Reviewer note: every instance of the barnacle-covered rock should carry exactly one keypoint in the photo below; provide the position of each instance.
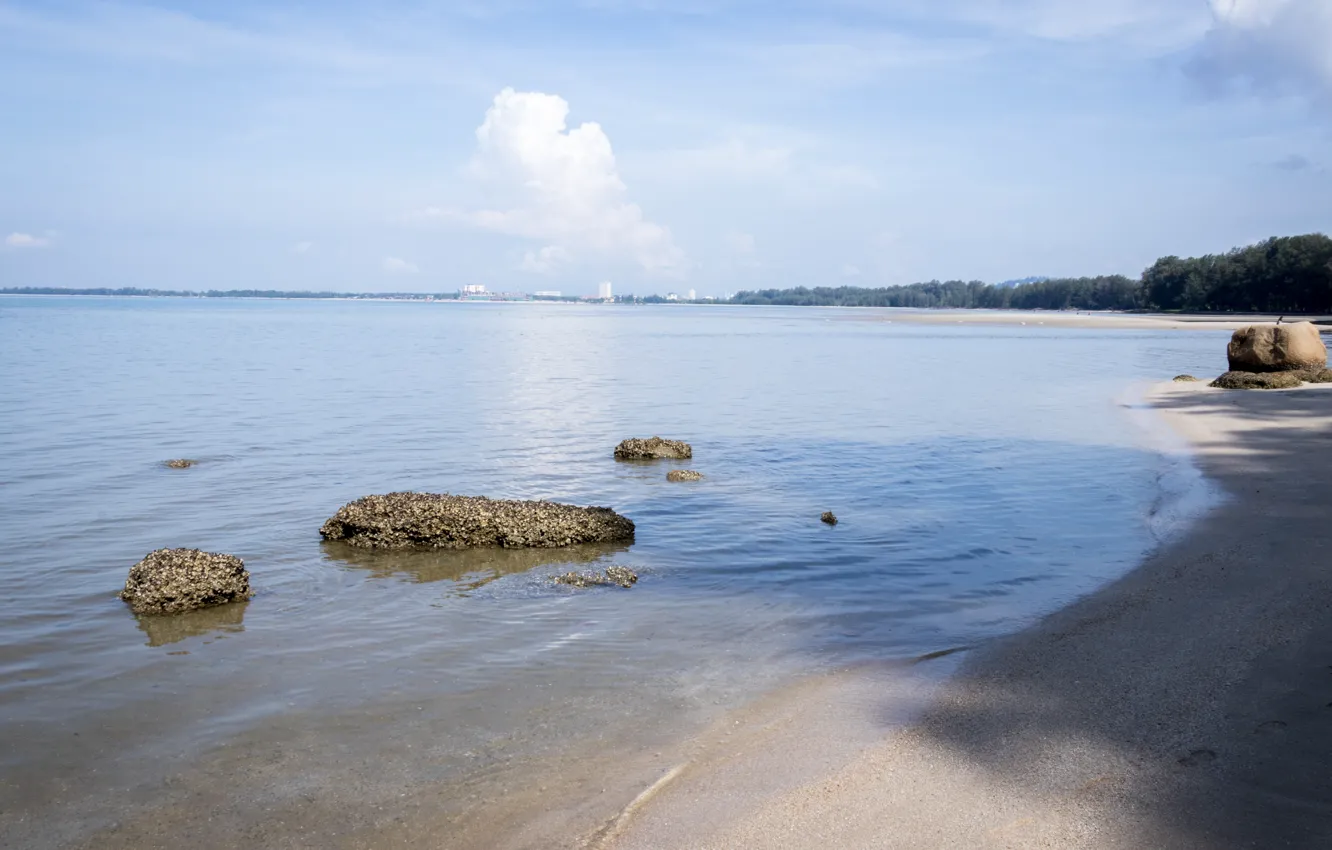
(829, 518)
(653, 448)
(617, 576)
(1314, 376)
(169, 581)
(684, 475)
(442, 521)
(180, 463)
(1257, 381)
(1184, 379)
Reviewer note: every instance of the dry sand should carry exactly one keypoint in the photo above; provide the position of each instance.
(1188, 705)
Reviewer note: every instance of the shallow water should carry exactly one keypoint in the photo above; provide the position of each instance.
(982, 476)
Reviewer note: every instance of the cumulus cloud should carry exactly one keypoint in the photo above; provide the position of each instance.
(1280, 45)
(561, 186)
(396, 265)
(545, 260)
(26, 240)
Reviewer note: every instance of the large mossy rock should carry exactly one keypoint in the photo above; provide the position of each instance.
(441, 521)
(1276, 348)
(1314, 376)
(170, 581)
(653, 448)
(1257, 381)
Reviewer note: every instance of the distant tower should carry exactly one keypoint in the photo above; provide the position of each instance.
(692, 295)
(604, 290)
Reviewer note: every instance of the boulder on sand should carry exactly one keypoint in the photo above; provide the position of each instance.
(1257, 381)
(1184, 379)
(1276, 348)
(441, 521)
(684, 475)
(653, 448)
(1314, 376)
(169, 581)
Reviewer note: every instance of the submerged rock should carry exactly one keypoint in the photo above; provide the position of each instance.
(653, 448)
(1257, 381)
(614, 576)
(684, 475)
(169, 581)
(829, 517)
(1184, 379)
(442, 521)
(1276, 348)
(180, 463)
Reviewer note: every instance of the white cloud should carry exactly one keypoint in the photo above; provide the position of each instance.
(1282, 45)
(562, 186)
(545, 260)
(849, 270)
(302, 247)
(396, 265)
(26, 240)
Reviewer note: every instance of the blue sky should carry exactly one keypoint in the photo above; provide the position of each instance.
(707, 144)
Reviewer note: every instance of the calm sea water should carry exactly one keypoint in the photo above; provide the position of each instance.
(982, 475)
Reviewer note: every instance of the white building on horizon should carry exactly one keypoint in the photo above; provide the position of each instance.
(474, 289)
(692, 296)
(604, 290)
(548, 293)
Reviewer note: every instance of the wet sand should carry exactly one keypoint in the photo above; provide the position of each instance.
(1188, 705)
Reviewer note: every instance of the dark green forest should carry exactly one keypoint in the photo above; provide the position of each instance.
(1291, 274)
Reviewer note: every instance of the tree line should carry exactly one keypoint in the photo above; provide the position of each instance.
(1289, 274)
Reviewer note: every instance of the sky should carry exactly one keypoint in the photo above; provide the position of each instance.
(715, 145)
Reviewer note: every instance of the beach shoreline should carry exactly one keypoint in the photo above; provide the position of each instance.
(1188, 704)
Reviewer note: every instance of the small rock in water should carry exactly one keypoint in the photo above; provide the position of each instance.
(169, 581)
(1184, 379)
(653, 448)
(829, 517)
(617, 576)
(180, 463)
(684, 475)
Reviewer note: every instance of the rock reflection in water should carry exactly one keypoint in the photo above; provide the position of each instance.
(469, 568)
(163, 629)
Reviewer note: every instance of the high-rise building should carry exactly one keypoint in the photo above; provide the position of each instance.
(604, 290)
(692, 295)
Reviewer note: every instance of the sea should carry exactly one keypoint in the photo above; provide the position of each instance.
(983, 475)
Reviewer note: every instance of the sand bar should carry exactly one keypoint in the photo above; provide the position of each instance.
(1188, 705)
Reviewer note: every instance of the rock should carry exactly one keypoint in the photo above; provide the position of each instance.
(441, 521)
(1314, 376)
(1184, 379)
(180, 463)
(829, 517)
(169, 581)
(653, 448)
(1276, 348)
(1257, 381)
(684, 475)
(614, 576)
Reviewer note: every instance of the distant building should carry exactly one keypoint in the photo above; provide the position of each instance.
(474, 289)
(692, 296)
(549, 293)
(671, 296)
(604, 291)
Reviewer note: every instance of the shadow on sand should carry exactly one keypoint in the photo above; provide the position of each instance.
(1188, 705)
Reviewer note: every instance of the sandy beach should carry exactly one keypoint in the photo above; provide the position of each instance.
(1187, 705)
(1105, 320)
